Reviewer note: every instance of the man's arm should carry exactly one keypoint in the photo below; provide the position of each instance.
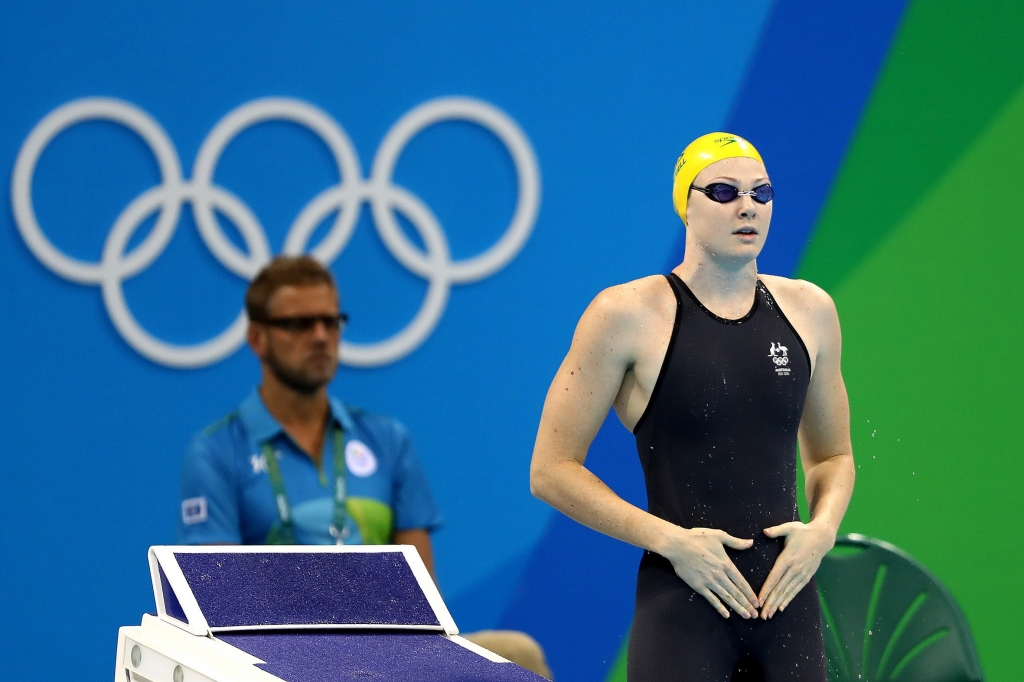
(420, 539)
(209, 513)
(826, 454)
(603, 350)
(415, 514)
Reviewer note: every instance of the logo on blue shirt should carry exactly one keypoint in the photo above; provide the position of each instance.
(193, 510)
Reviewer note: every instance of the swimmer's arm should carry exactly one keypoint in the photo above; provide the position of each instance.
(577, 403)
(826, 454)
(826, 451)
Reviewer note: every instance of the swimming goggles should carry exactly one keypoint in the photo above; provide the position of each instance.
(724, 193)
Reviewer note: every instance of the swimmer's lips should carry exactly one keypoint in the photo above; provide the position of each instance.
(746, 233)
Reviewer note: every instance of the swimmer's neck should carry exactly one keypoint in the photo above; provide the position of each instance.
(713, 280)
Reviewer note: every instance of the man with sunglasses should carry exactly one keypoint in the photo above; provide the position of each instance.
(293, 465)
(718, 371)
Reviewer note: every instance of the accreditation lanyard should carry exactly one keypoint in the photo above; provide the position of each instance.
(284, 509)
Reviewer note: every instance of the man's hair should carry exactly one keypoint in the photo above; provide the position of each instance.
(282, 271)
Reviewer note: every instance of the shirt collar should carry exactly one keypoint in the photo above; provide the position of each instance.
(261, 425)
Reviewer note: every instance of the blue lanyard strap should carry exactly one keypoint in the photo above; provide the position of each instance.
(285, 535)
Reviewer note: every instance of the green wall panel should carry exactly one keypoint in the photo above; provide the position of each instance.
(951, 68)
(932, 322)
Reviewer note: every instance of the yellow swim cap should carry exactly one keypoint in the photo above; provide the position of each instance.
(701, 153)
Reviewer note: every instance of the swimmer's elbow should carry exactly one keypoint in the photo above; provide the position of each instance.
(543, 483)
(538, 485)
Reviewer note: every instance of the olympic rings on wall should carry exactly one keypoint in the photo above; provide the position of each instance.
(434, 264)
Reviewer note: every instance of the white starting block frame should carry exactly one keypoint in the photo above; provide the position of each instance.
(205, 596)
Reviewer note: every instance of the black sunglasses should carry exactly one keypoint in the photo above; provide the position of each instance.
(305, 323)
(724, 193)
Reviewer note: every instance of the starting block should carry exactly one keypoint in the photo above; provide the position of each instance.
(300, 614)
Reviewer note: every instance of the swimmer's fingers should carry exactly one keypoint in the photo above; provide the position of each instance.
(789, 586)
(749, 599)
(783, 529)
(768, 596)
(793, 588)
(736, 583)
(770, 590)
(729, 591)
(713, 600)
(728, 594)
(771, 604)
(734, 543)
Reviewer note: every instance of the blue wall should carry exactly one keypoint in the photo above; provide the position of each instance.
(95, 431)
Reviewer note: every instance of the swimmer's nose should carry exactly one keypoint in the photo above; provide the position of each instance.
(748, 207)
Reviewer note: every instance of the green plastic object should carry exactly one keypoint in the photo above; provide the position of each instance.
(886, 617)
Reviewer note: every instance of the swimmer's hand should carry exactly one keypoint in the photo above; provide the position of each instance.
(806, 544)
(699, 558)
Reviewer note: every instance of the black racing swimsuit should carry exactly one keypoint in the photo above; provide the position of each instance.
(717, 443)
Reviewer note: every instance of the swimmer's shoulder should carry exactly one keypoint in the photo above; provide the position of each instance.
(636, 300)
(619, 312)
(802, 299)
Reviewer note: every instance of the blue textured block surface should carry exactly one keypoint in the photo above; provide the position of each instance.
(390, 657)
(311, 588)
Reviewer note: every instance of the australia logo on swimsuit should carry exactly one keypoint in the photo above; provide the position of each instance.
(780, 356)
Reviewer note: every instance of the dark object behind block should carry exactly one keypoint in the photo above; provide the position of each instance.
(887, 618)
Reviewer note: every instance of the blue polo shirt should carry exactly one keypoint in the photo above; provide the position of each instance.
(226, 495)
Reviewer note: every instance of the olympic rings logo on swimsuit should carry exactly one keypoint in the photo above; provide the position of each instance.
(434, 264)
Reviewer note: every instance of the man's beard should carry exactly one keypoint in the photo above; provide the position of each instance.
(293, 379)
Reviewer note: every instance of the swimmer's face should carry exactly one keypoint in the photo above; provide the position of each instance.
(734, 231)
